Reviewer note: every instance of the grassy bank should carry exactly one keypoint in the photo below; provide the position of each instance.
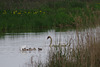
(16, 16)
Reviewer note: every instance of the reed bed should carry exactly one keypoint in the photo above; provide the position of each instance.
(82, 55)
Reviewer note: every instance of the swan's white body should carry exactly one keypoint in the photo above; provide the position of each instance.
(49, 37)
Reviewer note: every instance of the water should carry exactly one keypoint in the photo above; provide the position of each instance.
(10, 44)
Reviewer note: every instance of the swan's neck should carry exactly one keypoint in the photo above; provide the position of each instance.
(50, 41)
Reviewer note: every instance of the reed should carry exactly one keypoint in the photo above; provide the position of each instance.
(82, 55)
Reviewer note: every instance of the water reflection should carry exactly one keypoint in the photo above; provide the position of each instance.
(10, 44)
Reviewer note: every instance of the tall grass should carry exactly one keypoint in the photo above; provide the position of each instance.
(83, 55)
(23, 15)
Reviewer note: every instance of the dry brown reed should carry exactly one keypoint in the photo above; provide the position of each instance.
(85, 54)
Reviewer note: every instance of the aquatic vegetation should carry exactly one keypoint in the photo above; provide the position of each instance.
(80, 55)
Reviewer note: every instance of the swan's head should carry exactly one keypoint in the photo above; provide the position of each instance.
(48, 37)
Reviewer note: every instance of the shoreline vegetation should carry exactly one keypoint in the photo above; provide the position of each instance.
(32, 15)
(86, 53)
(81, 55)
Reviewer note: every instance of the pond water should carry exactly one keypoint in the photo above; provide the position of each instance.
(10, 44)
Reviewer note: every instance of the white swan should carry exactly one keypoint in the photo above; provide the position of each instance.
(49, 37)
